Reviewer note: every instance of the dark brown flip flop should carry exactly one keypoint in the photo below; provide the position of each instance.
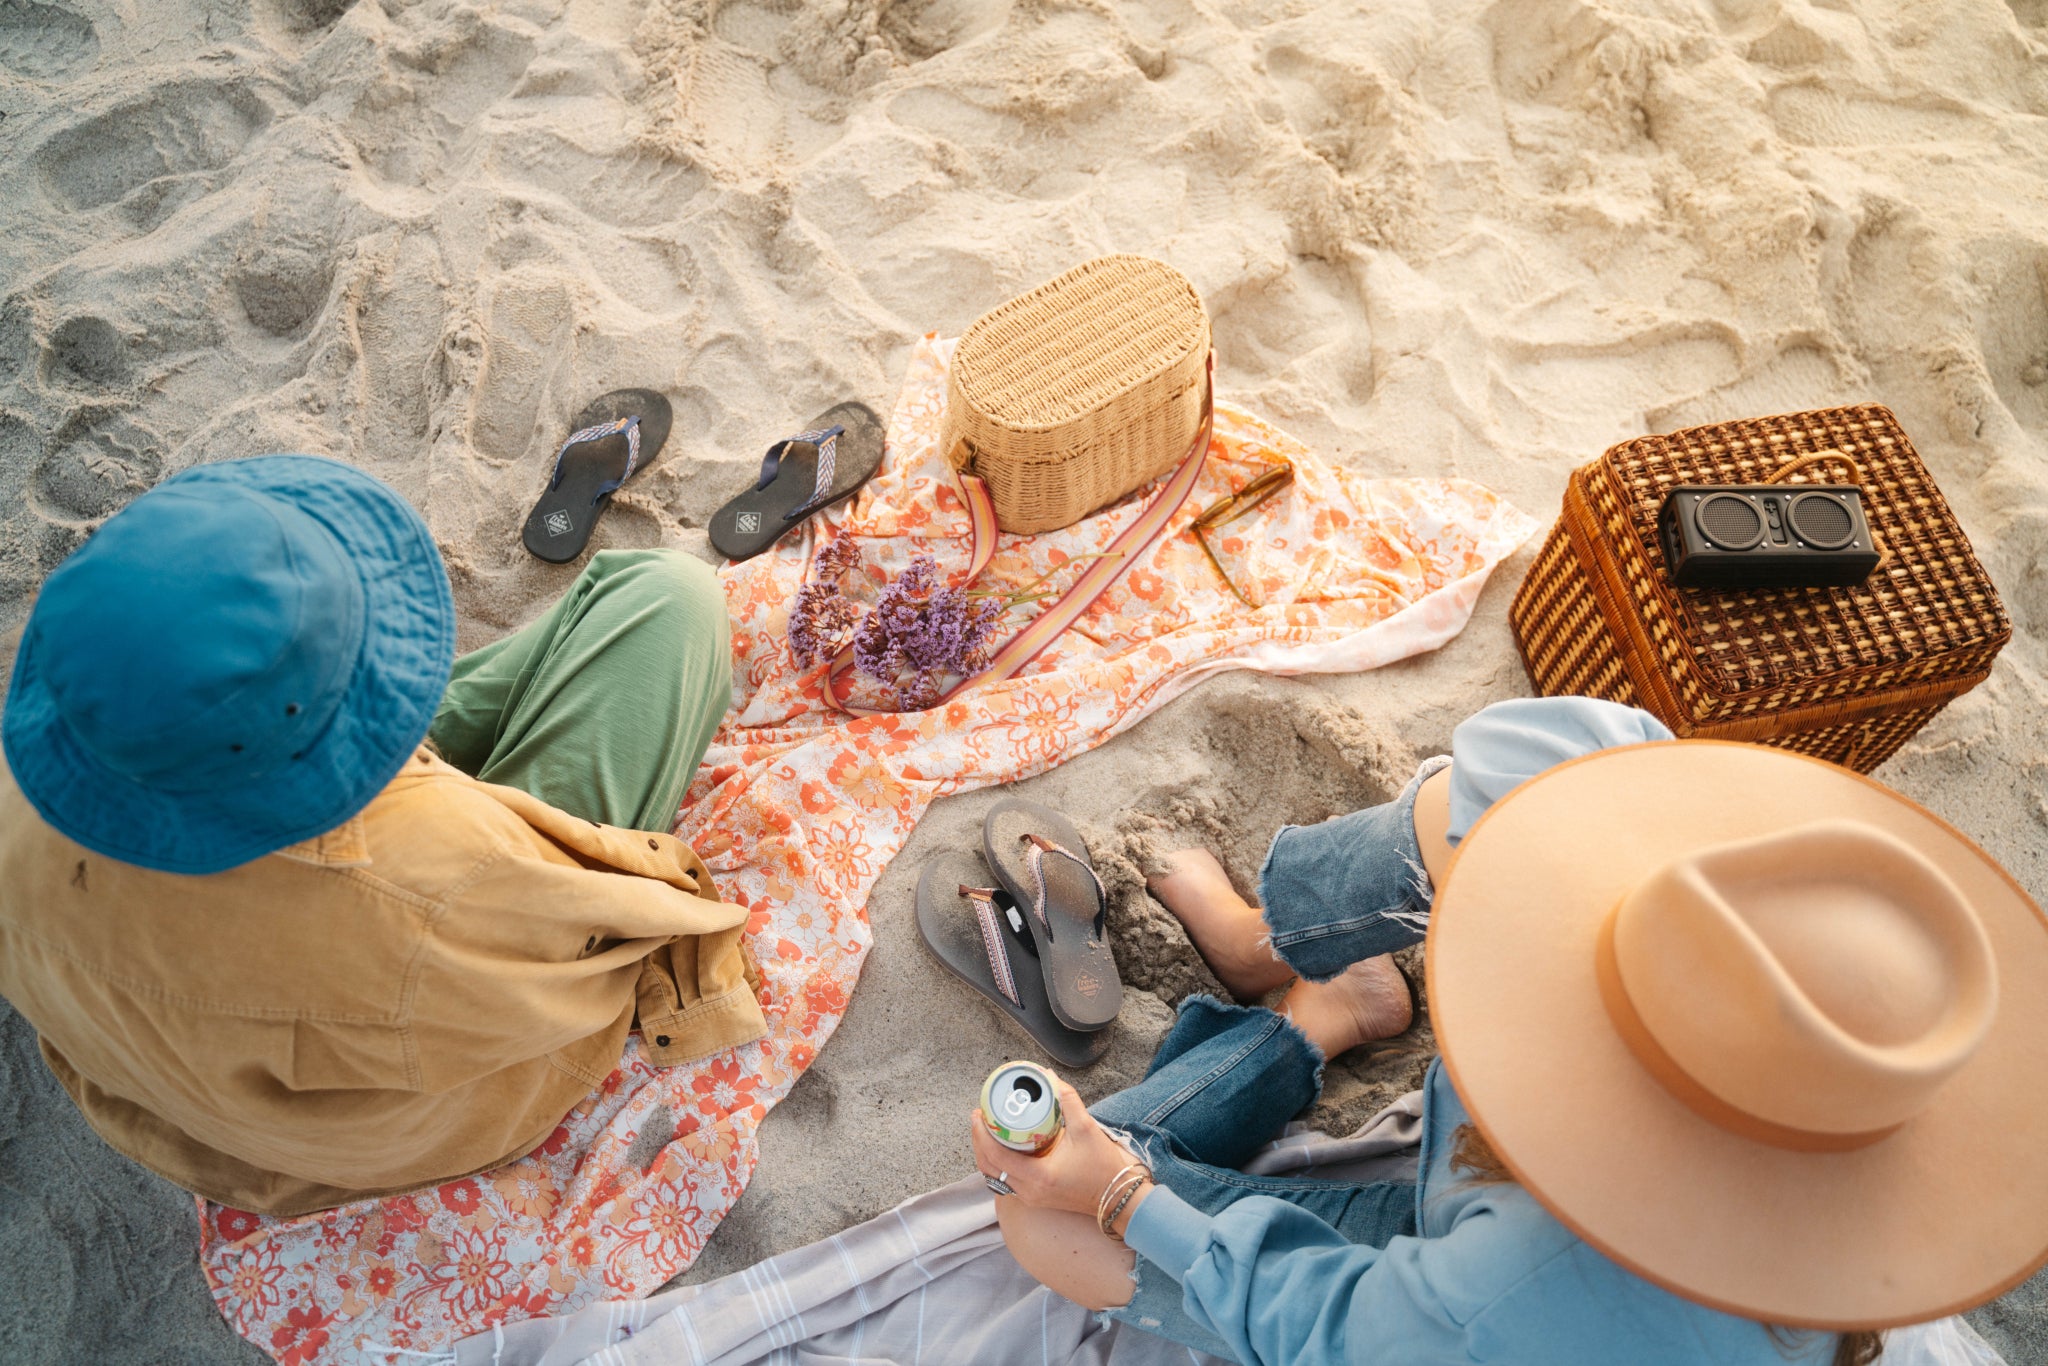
(1040, 859)
(976, 930)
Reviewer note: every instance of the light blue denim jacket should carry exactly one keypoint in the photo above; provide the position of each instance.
(1492, 1278)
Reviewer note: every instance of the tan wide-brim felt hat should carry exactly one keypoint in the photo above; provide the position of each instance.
(1942, 1212)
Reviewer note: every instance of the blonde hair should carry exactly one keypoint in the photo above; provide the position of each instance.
(1472, 1154)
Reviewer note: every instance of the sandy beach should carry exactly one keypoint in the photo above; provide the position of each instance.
(1473, 238)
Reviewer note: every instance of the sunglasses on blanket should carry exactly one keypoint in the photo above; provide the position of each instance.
(1232, 506)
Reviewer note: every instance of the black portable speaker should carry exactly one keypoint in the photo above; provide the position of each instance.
(1766, 535)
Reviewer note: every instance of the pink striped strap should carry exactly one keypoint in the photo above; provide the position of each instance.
(1034, 858)
(1094, 581)
(981, 521)
(983, 899)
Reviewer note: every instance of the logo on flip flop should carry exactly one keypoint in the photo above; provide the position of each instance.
(558, 523)
(1088, 983)
(746, 522)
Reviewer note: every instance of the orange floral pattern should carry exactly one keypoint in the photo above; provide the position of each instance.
(797, 809)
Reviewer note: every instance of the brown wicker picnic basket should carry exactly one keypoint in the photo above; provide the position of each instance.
(1067, 398)
(1845, 673)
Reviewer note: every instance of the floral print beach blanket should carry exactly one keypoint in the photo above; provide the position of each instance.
(797, 809)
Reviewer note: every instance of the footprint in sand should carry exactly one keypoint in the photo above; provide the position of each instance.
(309, 15)
(281, 293)
(159, 141)
(91, 351)
(45, 43)
(96, 469)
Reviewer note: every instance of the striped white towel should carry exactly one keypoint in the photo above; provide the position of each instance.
(930, 1284)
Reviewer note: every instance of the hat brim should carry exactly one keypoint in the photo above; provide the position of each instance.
(1944, 1214)
(400, 674)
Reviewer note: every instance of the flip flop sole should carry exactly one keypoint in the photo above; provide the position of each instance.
(947, 924)
(758, 517)
(1073, 952)
(559, 527)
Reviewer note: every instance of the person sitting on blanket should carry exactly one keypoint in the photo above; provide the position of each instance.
(1741, 1062)
(304, 908)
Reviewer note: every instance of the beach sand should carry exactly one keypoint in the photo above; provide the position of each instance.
(1483, 239)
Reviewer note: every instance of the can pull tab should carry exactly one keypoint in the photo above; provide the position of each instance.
(1025, 1094)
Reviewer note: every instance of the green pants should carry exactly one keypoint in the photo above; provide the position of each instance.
(603, 706)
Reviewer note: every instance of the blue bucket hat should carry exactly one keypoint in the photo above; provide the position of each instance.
(238, 660)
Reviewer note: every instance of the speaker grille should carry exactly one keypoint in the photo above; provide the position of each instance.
(1821, 521)
(1729, 522)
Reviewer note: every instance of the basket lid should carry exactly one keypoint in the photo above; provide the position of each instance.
(1069, 346)
(1928, 612)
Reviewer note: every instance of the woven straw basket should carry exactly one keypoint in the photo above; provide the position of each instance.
(1847, 674)
(1065, 399)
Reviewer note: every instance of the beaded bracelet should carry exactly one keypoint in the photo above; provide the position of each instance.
(1102, 1202)
(1115, 1188)
(1137, 1184)
(1104, 1214)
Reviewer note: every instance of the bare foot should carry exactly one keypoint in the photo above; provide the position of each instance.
(1226, 929)
(1366, 1001)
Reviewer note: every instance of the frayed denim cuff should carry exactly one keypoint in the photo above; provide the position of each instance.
(1349, 889)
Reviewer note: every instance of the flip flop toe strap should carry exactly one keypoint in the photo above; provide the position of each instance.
(985, 914)
(630, 425)
(1034, 858)
(826, 439)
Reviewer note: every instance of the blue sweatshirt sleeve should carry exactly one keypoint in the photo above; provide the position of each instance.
(1281, 1286)
(1501, 746)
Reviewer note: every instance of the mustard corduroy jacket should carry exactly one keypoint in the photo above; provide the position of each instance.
(419, 994)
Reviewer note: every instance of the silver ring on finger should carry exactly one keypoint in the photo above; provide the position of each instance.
(999, 1184)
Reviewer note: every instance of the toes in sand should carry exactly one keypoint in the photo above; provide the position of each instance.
(1225, 928)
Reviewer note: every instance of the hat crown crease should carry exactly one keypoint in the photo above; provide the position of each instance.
(238, 612)
(1752, 1011)
(106, 626)
(277, 746)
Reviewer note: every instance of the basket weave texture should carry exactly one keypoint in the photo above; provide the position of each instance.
(1845, 673)
(1065, 399)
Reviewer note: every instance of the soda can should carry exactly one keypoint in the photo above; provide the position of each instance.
(1020, 1107)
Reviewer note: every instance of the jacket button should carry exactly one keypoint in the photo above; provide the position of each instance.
(661, 1041)
(654, 844)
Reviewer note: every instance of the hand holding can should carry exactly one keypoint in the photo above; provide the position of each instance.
(1034, 1139)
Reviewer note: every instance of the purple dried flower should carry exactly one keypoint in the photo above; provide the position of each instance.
(985, 615)
(822, 615)
(878, 645)
(920, 692)
(926, 632)
(838, 559)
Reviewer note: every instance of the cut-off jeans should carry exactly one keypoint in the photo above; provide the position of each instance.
(1227, 1078)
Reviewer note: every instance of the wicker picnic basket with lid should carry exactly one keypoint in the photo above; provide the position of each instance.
(1846, 673)
(1067, 398)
